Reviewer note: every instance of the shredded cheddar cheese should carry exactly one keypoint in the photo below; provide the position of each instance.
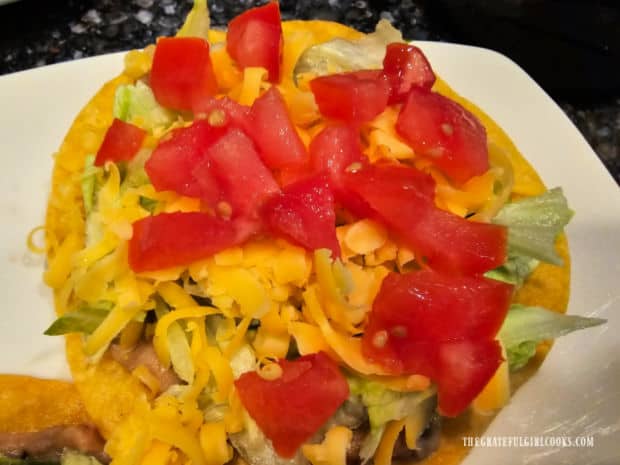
(333, 449)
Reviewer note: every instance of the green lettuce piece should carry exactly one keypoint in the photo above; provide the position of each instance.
(197, 22)
(178, 346)
(135, 174)
(138, 101)
(371, 443)
(89, 182)
(519, 355)
(243, 361)
(515, 271)
(254, 447)
(341, 55)
(148, 204)
(70, 457)
(524, 327)
(83, 320)
(534, 224)
(384, 405)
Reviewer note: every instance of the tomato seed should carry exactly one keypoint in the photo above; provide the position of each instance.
(447, 129)
(270, 372)
(224, 209)
(379, 340)
(399, 331)
(217, 118)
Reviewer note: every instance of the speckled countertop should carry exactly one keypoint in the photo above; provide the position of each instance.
(35, 33)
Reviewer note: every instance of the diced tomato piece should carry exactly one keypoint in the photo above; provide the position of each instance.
(182, 72)
(421, 320)
(275, 135)
(121, 142)
(445, 132)
(405, 67)
(243, 180)
(429, 305)
(395, 180)
(304, 214)
(389, 182)
(234, 113)
(291, 408)
(452, 243)
(335, 149)
(354, 97)
(291, 174)
(446, 241)
(172, 239)
(171, 165)
(254, 38)
(466, 366)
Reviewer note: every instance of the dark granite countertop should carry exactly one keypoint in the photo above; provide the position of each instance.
(35, 33)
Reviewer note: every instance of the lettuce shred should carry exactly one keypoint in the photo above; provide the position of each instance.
(341, 55)
(534, 224)
(384, 405)
(135, 103)
(197, 22)
(524, 327)
(83, 320)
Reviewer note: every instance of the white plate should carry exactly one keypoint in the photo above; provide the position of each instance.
(577, 390)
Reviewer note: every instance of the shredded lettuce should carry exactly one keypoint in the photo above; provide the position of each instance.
(340, 55)
(534, 224)
(70, 457)
(371, 443)
(197, 22)
(178, 344)
(137, 103)
(519, 355)
(135, 175)
(148, 204)
(384, 405)
(515, 271)
(254, 447)
(83, 320)
(243, 361)
(89, 182)
(524, 327)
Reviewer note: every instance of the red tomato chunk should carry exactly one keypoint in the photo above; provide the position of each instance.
(304, 214)
(232, 113)
(121, 143)
(275, 135)
(182, 72)
(467, 365)
(402, 198)
(336, 149)
(173, 239)
(291, 408)
(355, 97)
(254, 38)
(172, 163)
(242, 180)
(441, 326)
(217, 164)
(405, 67)
(445, 132)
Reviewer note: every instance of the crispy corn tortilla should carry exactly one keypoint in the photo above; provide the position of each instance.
(108, 392)
(30, 404)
